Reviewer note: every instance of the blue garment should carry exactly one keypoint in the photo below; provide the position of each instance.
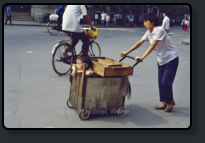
(8, 11)
(166, 75)
(45, 18)
(60, 10)
(131, 17)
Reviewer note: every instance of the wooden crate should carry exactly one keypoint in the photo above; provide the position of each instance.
(96, 92)
(104, 66)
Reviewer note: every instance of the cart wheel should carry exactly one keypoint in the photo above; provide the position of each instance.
(121, 112)
(84, 114)
(68, 104)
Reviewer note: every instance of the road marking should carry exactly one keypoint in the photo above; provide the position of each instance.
(172, 33)
(29, 51)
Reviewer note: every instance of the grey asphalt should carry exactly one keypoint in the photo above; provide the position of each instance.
(35, 96)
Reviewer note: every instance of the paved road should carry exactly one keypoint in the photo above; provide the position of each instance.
(35, 96)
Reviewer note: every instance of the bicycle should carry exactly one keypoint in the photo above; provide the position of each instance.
(53, 27)
(62, 64)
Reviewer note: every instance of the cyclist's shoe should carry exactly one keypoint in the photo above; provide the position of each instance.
(65, 52)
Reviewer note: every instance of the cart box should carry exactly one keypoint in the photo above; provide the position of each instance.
(104, 66)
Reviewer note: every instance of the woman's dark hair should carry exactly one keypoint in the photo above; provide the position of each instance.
(151, 17)
(86, 59)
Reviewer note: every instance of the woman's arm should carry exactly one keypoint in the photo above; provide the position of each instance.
(149, 50)
(137, 45)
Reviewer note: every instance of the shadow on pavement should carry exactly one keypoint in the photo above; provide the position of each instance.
(137, 115)
(141, 117)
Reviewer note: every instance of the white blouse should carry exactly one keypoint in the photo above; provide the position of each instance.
(165, 50)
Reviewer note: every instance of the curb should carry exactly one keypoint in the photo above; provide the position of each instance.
(185, 42)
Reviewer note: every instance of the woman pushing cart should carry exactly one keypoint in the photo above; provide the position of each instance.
(167, 57)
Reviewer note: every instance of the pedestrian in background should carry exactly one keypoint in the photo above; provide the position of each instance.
(182, 24)
(46, 18)
(173, 22)
(8, 10)
(166, 22)
(124, 20)
(127, 18)
(107, 19)
(186, 25)
(96, 19)
(103, 18)
(115, 18)
(120, 19)
(131, 20)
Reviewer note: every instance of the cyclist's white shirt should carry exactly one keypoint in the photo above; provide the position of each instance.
(71, 18)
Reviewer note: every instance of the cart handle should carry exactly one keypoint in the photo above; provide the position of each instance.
(130, 58)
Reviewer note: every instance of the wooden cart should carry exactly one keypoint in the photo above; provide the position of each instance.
(99, 92)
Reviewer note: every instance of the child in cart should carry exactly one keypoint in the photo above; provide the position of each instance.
(84, 58)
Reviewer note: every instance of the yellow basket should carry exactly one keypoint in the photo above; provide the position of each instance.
(91, 33)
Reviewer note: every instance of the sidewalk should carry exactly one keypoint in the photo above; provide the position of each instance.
(33, 23)
(186, 41)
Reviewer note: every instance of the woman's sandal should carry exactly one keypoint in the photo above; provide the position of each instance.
(160, 106)
(169, 109)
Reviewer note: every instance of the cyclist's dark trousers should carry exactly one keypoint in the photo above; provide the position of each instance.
(83, 37)
(8, 18)
(59, 20)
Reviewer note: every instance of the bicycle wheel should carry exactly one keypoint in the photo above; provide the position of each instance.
(61, 63)
(94, 50)
(51, 28)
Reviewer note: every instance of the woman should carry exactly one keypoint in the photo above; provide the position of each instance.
(182, 24)
(167, 58)
(114, 18)
(131, 19)
(186, 25)
(107, 19)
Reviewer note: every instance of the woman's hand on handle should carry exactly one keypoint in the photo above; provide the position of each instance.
(138, 58)
(123, 54)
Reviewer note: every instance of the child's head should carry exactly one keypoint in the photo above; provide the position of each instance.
(84, 58)
(150, 19)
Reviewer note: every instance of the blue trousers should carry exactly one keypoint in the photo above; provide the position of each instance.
(166, 75)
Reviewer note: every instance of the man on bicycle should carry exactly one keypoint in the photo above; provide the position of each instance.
(60, 10)
(71, 18)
